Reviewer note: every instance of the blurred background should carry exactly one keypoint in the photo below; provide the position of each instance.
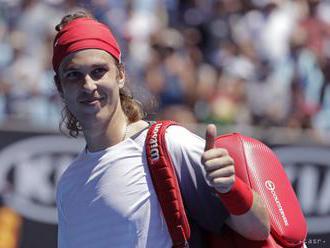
(259, 67)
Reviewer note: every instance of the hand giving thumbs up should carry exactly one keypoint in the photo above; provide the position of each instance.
(218, 164)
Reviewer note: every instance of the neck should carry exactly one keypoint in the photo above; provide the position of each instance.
(107, 133)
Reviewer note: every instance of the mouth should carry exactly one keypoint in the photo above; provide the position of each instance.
(91, 101)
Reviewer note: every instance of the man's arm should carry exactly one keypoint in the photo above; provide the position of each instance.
(254, 224)
(248, 214)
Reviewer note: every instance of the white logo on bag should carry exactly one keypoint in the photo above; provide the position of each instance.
(270, 185)
(154, 149)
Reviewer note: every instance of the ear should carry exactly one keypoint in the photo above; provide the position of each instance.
(121, 76)
(58, 85)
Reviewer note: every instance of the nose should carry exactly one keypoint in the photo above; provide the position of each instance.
(89, 84)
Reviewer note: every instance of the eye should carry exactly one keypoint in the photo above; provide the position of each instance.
(72, 75)
(99, 72)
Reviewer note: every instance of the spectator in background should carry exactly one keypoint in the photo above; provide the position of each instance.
(321, 119)
(229, 105)
(317, 30)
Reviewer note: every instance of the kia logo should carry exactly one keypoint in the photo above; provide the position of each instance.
(29, 171)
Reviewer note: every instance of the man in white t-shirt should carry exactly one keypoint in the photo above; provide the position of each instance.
(106, 197)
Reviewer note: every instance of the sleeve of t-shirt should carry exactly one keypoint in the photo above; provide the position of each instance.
(201, 202)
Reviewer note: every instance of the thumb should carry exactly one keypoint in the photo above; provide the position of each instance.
(211, 133)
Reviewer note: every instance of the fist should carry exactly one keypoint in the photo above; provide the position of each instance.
(218, 164)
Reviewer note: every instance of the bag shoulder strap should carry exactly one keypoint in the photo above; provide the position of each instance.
(166, 184)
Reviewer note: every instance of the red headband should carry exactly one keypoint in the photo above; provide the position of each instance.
(83, 33)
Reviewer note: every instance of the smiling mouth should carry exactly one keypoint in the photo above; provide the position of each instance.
(91, 101)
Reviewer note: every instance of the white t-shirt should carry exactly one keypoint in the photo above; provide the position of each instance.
(107, 199)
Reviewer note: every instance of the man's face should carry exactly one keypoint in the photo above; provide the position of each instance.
(90, 82)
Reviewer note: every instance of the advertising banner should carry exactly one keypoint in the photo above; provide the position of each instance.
(30, 165)
(308, 168)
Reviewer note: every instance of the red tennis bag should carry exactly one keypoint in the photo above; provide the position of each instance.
(256, 165)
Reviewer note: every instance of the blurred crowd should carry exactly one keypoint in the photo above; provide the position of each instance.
(253, 62)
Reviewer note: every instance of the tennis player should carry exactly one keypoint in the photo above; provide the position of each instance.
(105, 198)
